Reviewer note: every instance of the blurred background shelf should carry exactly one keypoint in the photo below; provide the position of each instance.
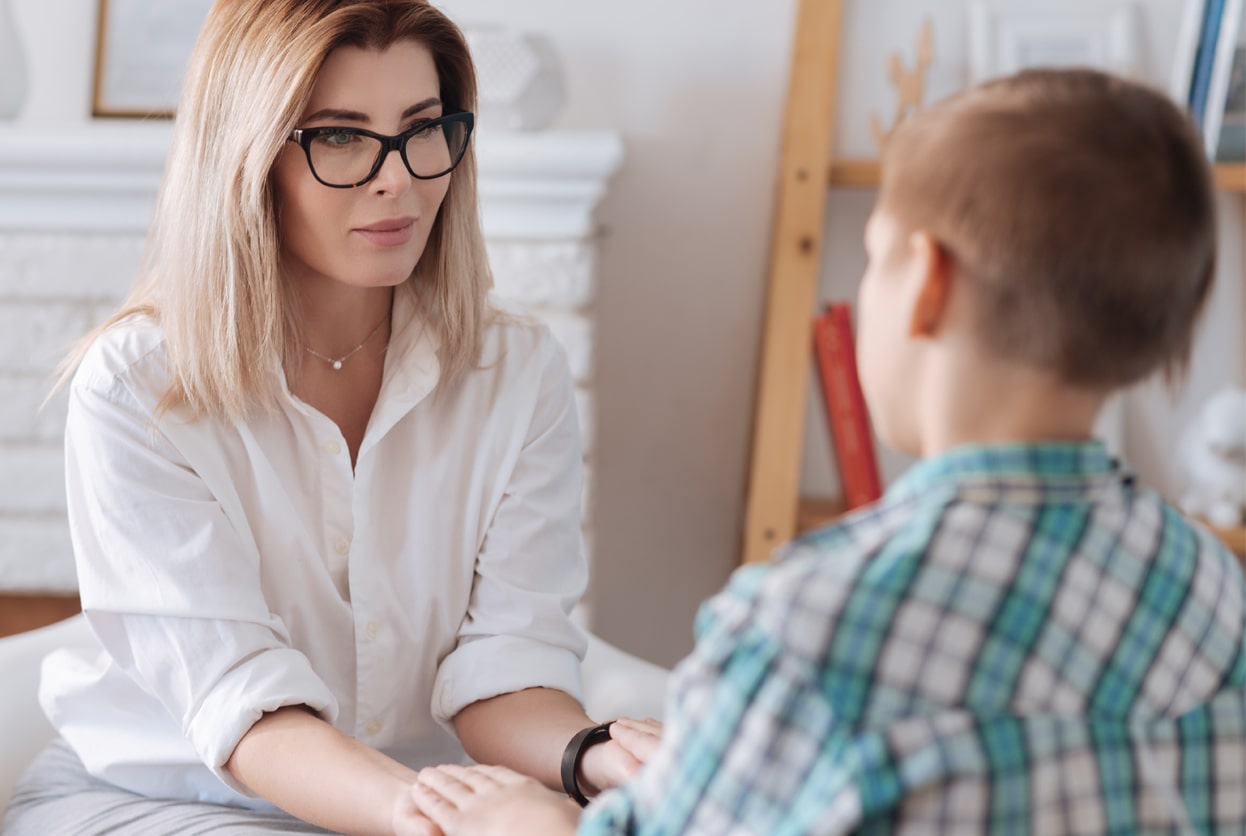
(1234, 538)
(864, 174)
(815, 512)
(19, 613)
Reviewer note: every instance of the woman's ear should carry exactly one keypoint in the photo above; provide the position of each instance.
(932, 265)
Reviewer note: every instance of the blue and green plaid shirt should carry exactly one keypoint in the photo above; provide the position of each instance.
(1015, 639)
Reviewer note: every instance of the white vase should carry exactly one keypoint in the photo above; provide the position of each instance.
(13, 77)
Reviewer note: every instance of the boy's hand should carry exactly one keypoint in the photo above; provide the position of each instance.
(616, 761)
(489, 800)
(409, 820)
(640, 738)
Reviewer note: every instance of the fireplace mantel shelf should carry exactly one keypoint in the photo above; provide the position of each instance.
(103, 177)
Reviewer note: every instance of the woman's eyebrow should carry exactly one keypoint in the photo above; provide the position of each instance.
(356, 116)
(424, 105)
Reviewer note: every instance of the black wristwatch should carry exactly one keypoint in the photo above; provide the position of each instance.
(574, 753)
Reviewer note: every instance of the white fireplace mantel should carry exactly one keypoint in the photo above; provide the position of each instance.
(103, 176)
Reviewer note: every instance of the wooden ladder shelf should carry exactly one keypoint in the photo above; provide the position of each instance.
(792, 279)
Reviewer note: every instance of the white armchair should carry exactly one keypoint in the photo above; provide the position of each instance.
(23, 728)
(615, 684)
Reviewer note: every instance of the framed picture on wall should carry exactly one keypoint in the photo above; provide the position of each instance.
(142, 48)
(1007, 36)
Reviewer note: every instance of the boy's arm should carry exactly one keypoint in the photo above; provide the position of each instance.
(750, 736)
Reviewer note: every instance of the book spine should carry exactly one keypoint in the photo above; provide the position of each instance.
(845, 406)
(1182, 76)
(1221, 69)
(1206, 56)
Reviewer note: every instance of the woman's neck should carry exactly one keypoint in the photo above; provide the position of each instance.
(337, 319)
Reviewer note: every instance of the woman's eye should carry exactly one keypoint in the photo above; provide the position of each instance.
(427, 131)
(337, 139)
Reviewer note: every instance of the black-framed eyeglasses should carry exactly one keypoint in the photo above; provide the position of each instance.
(344, 158)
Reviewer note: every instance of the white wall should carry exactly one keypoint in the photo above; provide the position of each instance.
(696, 89)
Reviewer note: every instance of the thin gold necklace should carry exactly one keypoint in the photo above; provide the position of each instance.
(337, 363)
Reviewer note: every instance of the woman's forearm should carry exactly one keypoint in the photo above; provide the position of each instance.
(526, 731)
(311, 770)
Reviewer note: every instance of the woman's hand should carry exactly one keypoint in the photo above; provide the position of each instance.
(485, 800)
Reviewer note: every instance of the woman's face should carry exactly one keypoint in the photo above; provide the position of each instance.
(372, 235)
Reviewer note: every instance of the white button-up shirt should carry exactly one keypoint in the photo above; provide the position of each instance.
(230, 568)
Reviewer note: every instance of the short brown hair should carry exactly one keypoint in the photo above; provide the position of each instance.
(1080, 209)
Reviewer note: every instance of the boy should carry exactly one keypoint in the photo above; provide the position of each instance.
(1017, 637)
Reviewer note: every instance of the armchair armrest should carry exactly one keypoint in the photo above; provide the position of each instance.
(23, 728)
(618, 684)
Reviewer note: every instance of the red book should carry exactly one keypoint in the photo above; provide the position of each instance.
(847, 416)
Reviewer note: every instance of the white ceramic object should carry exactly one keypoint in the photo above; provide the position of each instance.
(13, 75)
(520, 79)
(1213, 455)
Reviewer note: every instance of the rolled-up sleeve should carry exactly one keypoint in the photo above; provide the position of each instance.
(530, 571)
(169, 584)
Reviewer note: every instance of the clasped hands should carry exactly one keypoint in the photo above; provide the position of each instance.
(470, 800)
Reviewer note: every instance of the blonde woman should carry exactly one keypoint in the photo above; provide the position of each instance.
(324, 498)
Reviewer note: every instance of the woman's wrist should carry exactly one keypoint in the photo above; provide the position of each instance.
(592, 775)
(582, 767)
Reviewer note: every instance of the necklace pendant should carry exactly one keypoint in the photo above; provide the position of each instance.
(337, 365)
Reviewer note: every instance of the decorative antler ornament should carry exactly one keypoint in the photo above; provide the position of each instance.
(910, 84)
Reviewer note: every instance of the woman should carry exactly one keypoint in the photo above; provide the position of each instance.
(324, 498)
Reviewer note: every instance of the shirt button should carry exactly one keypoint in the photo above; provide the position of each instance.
(374, 728)
(342, 546)
(332, 448)
(373, 629)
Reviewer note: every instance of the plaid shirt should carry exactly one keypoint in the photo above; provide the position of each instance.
(1016, 639)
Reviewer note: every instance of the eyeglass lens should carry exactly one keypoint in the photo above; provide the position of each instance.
(342, 158)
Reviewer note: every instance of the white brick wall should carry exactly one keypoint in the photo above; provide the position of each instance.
(53, 288)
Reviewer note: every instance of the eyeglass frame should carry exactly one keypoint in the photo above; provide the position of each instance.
(303, 137)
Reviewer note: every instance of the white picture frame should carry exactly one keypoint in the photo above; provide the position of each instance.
(1007, 36)
(142, 48)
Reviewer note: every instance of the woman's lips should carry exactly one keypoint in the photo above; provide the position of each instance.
(392, 233)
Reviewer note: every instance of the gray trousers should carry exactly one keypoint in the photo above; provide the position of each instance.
(57, 797)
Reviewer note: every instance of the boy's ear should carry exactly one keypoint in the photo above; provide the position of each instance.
(934, 266)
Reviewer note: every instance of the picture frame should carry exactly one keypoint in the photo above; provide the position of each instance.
(142, 49)
(1007, 36)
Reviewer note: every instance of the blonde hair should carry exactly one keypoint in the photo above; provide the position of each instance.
(211, 273)
(1080, 209)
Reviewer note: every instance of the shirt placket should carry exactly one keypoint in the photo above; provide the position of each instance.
(374, 644)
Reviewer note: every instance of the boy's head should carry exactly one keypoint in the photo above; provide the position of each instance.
(1071, 216)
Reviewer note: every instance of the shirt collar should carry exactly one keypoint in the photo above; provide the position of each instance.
(1039, 464)
(414, 338)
